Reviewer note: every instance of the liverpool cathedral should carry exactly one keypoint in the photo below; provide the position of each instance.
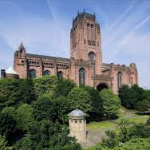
(85, 66)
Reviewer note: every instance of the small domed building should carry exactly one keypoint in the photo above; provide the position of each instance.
(77, 125)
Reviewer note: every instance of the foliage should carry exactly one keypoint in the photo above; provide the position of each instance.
(62, 109)
(148, 121)
(143, 105)
(43, 108)
(127, 96)
(14, 92)
(126, 132)
(10, 111)
(3, 144)
(96, 103)
(78, 98)
(133, 97)
(45, 85)
(7, 126)
(135, 144)
(111, 103)
(63, 87)
(24, 117)
(47, 135)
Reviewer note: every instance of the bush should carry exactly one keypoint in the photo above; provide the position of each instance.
(130, 96)
(7, 127)
(135, 144)
(111, 103)
(142, 105)
(78, 98)
(46, 135)
(96, 104)
(14, 92)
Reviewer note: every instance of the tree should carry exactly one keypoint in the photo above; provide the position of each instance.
(127, 96)
(143, 105)
(62, 109)
(78, 98)
(63, 87)
(130, 96)
(3, 144)
(10, 111)
(45, 85)
(111, 103)
(96, 103)
(47, 135)
(24, 117)
(44, 108)
(7, 127)
(135, 144)
(14, 92)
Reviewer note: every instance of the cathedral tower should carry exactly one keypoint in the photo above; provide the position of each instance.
(85, 40)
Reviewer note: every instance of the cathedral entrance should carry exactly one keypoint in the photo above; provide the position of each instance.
(102, 86)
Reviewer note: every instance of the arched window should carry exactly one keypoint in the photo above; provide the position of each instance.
(46, 72)
(81, 77)
(32, 73)
(132, 81)
(91, 56)
(119, 79)
(59, 74)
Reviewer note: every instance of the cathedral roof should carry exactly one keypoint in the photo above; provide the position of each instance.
(77, 113)
(10, 70)
(47, 57)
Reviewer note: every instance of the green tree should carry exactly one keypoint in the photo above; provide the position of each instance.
(79, 98)
(3, 144)
(130, 96)
(7, 127)
(111, 103)
(62, 109)
(63, 87)
(143, 105)
(127, 96)
(14, 92)
(47, 135)
(135, 144)
(24, 116)
(96, 103)
(45, 85)
(10, 111)
(44, 108)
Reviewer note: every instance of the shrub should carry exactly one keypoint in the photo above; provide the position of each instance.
(78, 98)
(143, 105)
(111, 103)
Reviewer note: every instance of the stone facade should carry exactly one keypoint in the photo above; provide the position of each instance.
(77, 125)
(85, 65)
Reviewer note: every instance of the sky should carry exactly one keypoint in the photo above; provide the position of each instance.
(44, 28)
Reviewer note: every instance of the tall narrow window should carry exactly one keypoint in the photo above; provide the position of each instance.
(32, 73)
(92, 32)
(82, 77)
(132, 81)
(119, 79)
(88, 31)
(59, 74)
(47, 72)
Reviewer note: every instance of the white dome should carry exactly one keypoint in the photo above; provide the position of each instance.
(77, 113)
(10, 70)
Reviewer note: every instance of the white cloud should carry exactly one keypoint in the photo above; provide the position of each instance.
(37, 33)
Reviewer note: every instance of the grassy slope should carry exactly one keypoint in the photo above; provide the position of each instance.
(111, 124)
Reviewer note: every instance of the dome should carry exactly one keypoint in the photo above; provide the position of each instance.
(10, 70)
(76, 113)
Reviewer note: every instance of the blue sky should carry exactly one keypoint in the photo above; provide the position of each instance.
(44, 27)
